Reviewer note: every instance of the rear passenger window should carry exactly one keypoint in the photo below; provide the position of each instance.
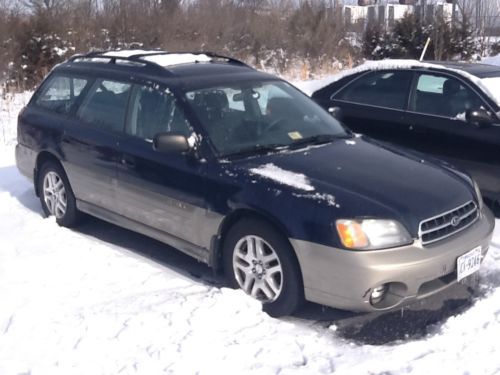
(153, 111)
(105, 105)
(60, 93)
(382, 89)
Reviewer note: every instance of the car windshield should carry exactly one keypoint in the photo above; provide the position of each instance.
(251, 117)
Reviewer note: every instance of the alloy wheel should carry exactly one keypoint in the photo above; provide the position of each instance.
(257, 268)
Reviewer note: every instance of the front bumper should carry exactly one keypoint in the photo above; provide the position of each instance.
(344, 278)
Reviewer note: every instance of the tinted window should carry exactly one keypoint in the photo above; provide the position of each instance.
(105, 105)
(443, 96)
(383, 89)
(59, 94)
(154, 111)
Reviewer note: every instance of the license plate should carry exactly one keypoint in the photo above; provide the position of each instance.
(469, 263)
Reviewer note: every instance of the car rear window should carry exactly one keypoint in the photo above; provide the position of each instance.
(60, 93)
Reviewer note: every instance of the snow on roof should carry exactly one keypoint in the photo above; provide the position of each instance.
(177, 58)
(161, 58)
(129, 52)
(312, 86)
(282, 176)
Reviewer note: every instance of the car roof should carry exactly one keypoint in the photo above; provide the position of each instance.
(476, 69)
(189, 68)
(473, 71)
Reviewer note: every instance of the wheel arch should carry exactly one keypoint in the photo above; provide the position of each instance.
(236, 216)
(43, 157)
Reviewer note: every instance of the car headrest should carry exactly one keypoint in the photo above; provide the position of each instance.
(450, 87)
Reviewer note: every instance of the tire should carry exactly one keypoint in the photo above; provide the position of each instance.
(54, 190)
(271, 275)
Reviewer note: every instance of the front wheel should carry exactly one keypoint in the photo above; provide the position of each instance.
(261, 262)
(56, 196)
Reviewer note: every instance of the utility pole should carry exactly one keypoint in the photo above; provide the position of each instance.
(479, 13)
(424, 5)
(454, 13)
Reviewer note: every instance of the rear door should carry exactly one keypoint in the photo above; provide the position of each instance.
(163, 191)
(374, 104)
(437, 116)
(91, 140)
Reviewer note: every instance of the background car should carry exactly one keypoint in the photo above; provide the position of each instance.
(448, 110)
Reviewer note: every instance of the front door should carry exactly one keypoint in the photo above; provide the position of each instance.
(437, 116)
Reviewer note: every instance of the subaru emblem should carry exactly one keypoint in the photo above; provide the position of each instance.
(455, 221)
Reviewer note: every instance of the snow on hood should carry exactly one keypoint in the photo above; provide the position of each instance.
(487, 85)
(282, 176)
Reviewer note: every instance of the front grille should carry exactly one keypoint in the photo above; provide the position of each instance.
(448, 223)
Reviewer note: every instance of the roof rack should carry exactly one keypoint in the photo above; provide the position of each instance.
(113, 58)
(139, 58)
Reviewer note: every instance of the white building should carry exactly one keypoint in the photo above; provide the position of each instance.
(389, 13)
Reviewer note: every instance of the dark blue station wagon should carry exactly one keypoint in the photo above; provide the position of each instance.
(240, 170)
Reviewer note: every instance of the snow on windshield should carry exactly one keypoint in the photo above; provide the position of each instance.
(275, 173)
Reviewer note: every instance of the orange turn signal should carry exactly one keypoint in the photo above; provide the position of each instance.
(351, 234)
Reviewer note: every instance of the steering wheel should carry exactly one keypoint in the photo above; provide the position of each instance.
(275, 125)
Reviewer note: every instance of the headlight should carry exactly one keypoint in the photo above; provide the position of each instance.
(478, 196)
(371, 234)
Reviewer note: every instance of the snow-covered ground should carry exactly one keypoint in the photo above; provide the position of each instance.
(493, 60)
(102, 300)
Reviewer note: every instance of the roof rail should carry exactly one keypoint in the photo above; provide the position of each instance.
(113, 58)
(139, 58)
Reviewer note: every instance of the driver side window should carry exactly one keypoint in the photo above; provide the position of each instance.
(443, 96)
(153, 111)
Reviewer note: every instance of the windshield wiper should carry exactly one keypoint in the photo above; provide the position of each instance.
(258, 149)
(318, 140)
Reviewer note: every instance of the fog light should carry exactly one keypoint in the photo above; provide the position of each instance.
(378, 294)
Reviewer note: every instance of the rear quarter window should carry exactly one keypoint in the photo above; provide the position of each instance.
(60, 93)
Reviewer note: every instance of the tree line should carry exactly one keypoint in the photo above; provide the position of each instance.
(276, 35)
(302, 37)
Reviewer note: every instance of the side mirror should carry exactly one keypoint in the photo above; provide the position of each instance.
(170, 143)
(479, 117)
(336, 112)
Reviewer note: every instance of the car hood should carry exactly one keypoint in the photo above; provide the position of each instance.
(366, 179)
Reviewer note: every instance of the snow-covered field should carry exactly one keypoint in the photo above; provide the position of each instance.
(102, 300)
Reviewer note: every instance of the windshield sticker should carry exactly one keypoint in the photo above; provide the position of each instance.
(295, 135)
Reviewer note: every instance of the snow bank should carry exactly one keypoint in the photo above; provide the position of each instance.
(10, 105)
(275, 173)
(492, 60)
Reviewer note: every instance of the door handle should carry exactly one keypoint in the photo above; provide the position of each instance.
(129, 162)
